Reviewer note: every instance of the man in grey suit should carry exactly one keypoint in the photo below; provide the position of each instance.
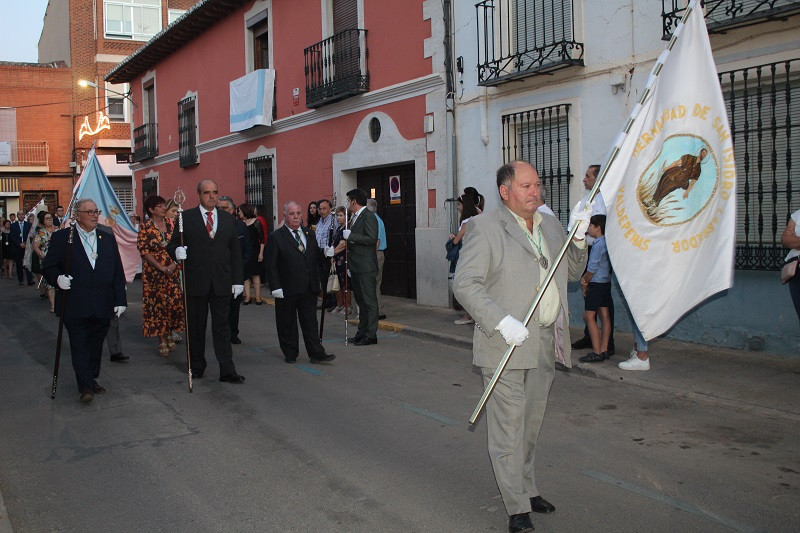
(362, 260)
(505, 257)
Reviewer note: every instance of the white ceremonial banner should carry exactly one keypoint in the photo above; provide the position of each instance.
(251, 99)
(671, 190)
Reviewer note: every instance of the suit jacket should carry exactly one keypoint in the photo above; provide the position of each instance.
(94, 291)
(362, 256)
(212, 266)
(287, 267)
(18, 237)
(496, 276)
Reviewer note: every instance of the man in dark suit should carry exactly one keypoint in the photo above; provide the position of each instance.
(212, 274)
(96, 291)
(362, 260)
(226, 203)
(19, 239)
(291, 261)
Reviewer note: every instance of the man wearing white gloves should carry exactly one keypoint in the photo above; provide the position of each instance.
(89, 294)
(212, 267)
(291, 261)
(500, 268)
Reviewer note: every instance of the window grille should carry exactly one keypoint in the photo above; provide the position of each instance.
(541, 137)
(258, 187)
(519, 38)
(187, 131)
(764, 111)
(727, 14)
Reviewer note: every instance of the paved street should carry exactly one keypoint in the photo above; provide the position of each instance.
(376, 441)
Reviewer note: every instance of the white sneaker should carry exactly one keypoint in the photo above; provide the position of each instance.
(634, 363)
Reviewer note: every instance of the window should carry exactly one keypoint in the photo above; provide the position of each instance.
(764, 112)
(260, 45)
(258, 184)
(187, 131)
(723, 15)
(519, 38)
(132, 19)
(174, 14)
(541, 137)
(115, 104)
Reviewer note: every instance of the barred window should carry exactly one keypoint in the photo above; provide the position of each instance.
(187, 131)
(764, 111)
(541, 137)
(258, 188)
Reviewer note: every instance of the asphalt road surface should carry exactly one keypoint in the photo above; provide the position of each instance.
(376, 441)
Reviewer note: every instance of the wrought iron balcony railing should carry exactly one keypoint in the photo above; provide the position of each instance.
(145, 145)
(31, 154)
(520, 38)
(336, 68)
(724, 15)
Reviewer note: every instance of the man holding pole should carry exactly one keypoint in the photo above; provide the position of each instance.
(212, 260)
(500, 269)
(92, 276)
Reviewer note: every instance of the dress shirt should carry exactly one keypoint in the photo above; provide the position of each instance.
(214, 216)
(301, 234)
(89, 242)
(323, 230)
(547, 311)
(381, 234)
(599, 264)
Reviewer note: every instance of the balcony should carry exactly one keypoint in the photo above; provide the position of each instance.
(336, 68)
(24, 156)
(522, 38)
(722, 15)
(145, 145)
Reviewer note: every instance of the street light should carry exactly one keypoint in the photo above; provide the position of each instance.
(87, 83)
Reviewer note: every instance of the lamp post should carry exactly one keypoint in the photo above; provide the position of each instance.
(87, 83)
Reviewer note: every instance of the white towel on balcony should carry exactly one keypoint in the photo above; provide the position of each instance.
(251, 99)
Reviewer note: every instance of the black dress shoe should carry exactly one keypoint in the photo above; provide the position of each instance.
(561, 367)
(364, 341)
(119, 357)
(86, 396)
(355, 339)
(381, 317)
(582, 343)
(197, 374)
(323, 358)
(233, 377)
(519, 523)
(97, 389)
(236, 340)
(593, 357)
(611, 351)
(540, 505)
(30, 283)
(290, 360)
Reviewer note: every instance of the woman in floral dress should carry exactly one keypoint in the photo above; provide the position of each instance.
(162, 301)
(40, 243)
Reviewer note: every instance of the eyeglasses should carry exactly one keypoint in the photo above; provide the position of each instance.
(91, 211)
(48, 218)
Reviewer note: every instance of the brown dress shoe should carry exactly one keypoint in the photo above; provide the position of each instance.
(87, 396)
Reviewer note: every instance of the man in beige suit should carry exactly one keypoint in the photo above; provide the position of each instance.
(506, 254)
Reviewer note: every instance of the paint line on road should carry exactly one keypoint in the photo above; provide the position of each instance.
(427, 413)
(263, 348)
(310, 370)
(678, 504)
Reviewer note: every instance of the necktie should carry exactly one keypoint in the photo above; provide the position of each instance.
(209, 222)
(299, 242)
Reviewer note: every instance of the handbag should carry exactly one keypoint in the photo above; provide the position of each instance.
(789, 270)
(333, 279)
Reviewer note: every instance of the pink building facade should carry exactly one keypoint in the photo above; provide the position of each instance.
(359, 100)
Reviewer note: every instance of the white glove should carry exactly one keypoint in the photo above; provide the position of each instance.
(277, 293)
(118, 310)
(180, 252)
(346, 234)
(512, 330)
(329, 251)
(236, 290)
(64, 282)
(580, 215)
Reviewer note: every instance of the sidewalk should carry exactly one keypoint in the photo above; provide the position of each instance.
(755, 382)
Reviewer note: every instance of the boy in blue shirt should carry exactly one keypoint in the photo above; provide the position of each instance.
(596, 285)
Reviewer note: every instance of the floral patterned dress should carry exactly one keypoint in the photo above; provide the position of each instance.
(43, 238)
(162, 300)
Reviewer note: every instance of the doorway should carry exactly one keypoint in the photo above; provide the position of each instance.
(400, 264)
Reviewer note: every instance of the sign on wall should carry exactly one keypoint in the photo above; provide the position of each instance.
(394, 190)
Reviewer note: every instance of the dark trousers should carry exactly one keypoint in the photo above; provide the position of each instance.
(112, 337)
(288, 311)
(86, 337)
(20, 269)
(794, 290)
(367, 300)
(197, 314)
(233, 317)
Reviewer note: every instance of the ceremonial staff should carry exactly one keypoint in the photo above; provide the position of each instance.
(63, 306)
(587, 205)
(346, 275)
(179, 197)
(325, 279)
